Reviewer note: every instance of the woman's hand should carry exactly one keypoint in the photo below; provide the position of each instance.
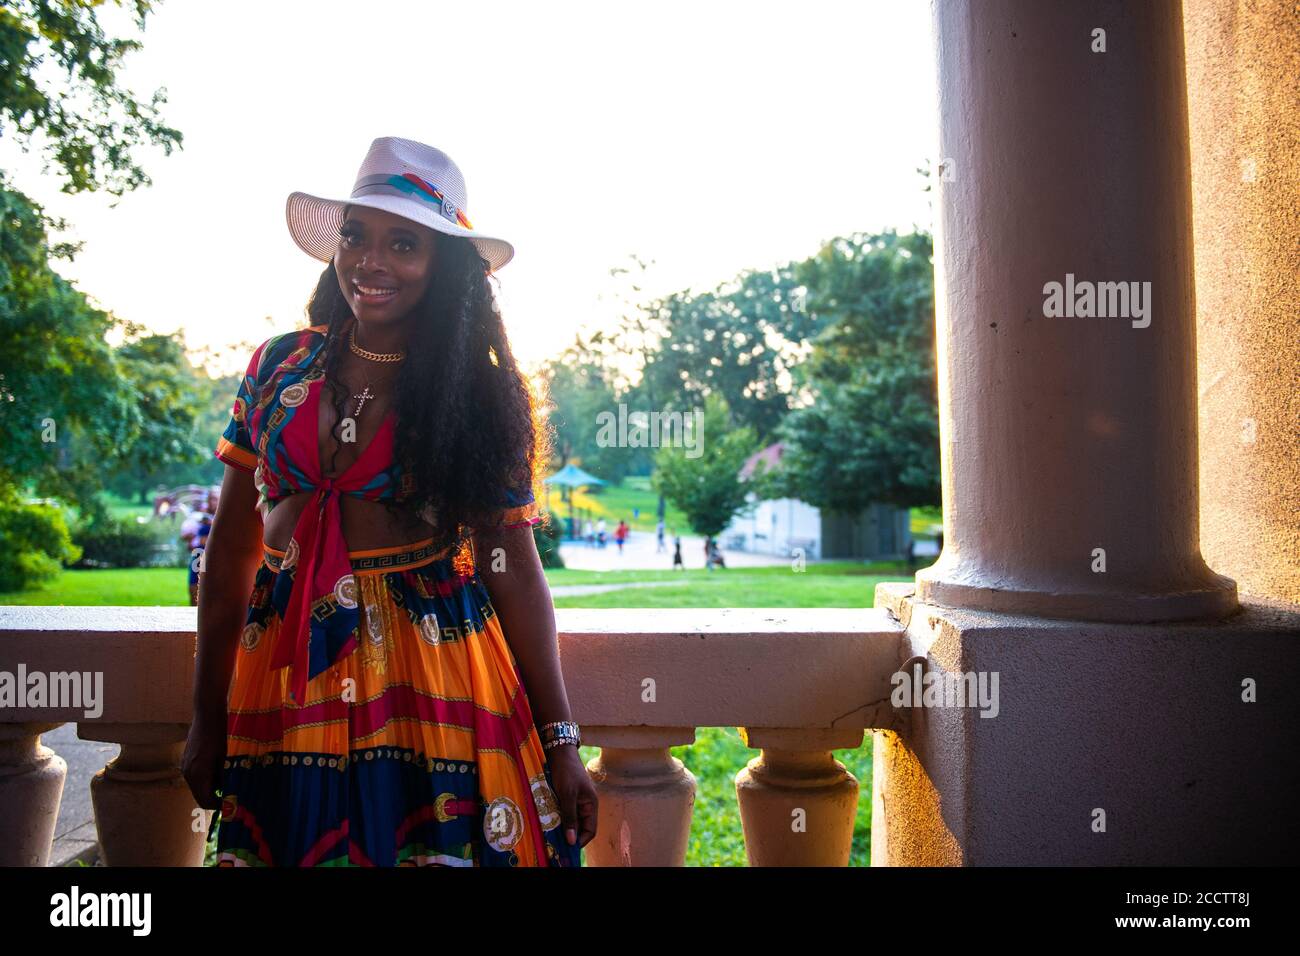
(205, 751)
(574, 792)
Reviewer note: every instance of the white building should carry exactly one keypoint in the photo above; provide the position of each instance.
(785, 526)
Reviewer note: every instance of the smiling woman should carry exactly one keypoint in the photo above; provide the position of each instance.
(412, 259)
(359, 699)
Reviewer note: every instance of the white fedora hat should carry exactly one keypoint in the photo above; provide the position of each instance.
(400, 176)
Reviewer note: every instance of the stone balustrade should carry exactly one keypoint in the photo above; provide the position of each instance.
(798, 683)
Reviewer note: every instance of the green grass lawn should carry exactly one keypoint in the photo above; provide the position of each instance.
(121, 507)
(135, 587)
(833, 584)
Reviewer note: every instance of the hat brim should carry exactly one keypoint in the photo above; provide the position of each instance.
(314, 223)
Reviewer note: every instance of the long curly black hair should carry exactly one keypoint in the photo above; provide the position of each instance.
(468, 429)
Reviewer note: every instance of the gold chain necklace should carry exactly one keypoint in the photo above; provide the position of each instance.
(372, 356)
(365, 394)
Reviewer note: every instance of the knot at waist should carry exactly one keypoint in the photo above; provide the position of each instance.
(323, 592)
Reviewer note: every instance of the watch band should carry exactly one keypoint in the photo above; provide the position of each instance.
(559, 732)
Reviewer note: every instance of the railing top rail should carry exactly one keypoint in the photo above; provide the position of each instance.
(666, 667)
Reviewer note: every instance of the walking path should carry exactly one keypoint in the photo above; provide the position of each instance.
(640, 554)
(75, 836)
(582, 590)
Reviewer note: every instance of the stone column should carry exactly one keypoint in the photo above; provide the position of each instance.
(646, 796)
(144, 812)
(1069, 442)
(797, 802)
(31, 790)
(1243, 87)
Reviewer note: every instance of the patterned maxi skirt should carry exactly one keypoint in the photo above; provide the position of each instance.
(416, 749)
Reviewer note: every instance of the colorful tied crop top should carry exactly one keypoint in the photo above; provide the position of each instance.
(273, 433)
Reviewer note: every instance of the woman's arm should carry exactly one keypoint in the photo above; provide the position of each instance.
(511, 570)
(510, 567)
(230, 562)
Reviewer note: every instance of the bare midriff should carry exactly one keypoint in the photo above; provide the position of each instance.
(366, 524)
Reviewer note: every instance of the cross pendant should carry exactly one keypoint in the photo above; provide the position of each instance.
(361, 399)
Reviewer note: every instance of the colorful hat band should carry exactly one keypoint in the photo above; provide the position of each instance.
(409, 184)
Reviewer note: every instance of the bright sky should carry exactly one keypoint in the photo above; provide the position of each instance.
(709, 137)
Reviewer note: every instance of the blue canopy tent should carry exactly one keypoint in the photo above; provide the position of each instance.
(568, 478)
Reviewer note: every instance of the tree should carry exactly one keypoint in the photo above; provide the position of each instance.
(870, 430)
(706, 486)
(169, 404)
(65, 411)
(741, 341)
(578, 389)
(36, 542)
(631, 347)
(61, 389)
(89, 125)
